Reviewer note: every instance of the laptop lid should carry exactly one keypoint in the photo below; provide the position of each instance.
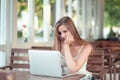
(45, 62)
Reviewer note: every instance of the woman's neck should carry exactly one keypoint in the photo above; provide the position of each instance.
(74, 44)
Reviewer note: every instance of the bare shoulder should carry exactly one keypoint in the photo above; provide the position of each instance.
(88, 47)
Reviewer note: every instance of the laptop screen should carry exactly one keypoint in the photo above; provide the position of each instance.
(45, 62)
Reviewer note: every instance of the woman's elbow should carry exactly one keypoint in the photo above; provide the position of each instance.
(73, 70)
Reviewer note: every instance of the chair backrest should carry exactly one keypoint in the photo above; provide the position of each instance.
(41, 47)
(96, 61)
(19, 58)
(107, 56)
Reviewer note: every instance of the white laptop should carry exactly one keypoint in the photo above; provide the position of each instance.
(46, 63)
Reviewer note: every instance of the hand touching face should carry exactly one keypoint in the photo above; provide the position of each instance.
(69, 39)
(65, 35)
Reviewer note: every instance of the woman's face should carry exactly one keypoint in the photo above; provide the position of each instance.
(63, 32)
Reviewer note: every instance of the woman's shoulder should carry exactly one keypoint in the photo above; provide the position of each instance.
(88, 46)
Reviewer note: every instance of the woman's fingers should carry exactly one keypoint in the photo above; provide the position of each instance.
(69, 39)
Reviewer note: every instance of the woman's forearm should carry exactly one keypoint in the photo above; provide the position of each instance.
(71, 64)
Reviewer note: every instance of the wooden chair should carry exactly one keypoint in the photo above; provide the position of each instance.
(116, 63)
(19, 59)
(115, 47)
(108, 60)
(96, 64)
(41, 47)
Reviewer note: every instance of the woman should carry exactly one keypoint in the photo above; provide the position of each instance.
(75, 50)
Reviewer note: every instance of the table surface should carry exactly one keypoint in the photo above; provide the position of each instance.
(25, 75)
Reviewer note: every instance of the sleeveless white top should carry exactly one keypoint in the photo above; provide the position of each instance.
(81, 71)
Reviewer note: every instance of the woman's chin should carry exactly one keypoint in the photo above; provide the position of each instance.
(62, 40)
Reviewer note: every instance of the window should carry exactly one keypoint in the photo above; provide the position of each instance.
(31, 20)
(22, 21)
(2, 24)
(36, 19)
(2, 58)
(2, 32)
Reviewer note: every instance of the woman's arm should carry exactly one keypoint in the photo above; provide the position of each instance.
(75, 65)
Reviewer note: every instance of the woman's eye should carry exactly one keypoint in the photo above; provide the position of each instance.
(65, 31)
(59, 33)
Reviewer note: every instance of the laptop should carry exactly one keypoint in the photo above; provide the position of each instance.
(46, 63)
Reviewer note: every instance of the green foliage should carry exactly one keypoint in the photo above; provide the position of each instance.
(22, 5)
(52, 1)
(112, 15)
(111, 34)
(19, 34)
(112, 12)
(39, 8)
(40, 34)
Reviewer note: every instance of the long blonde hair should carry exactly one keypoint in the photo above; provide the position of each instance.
(66, 21)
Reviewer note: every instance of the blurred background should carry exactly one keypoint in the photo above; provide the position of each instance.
(27, 23)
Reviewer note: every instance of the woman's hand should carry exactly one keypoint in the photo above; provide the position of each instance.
(69, 39)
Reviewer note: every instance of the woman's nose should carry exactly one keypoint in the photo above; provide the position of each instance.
(63, 35)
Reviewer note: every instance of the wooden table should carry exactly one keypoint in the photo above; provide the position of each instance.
(25, 75)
